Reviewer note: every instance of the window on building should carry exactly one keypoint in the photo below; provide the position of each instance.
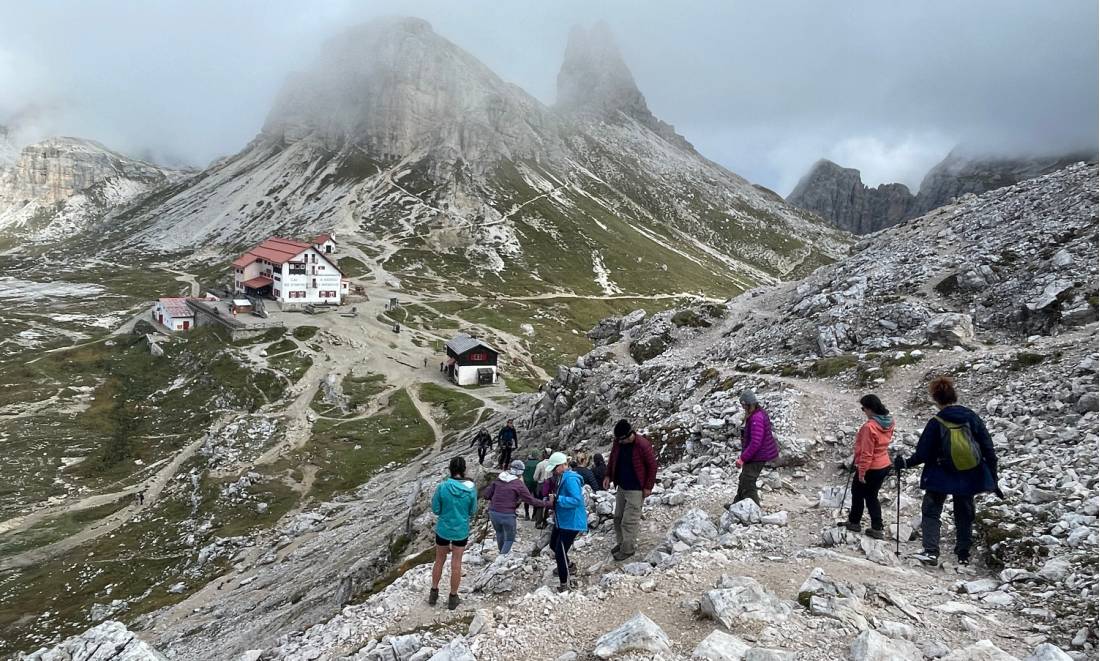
(276, 293)
(477, 357)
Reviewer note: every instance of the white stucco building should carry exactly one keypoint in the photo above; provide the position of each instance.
(290, 272)
(174, 314)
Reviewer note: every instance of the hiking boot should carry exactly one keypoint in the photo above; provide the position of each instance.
(565, 587)
(619, 556)
(433, 597)
(854, 527)
(615, 549)
(964, 560)
(875, 533)
(927, 559)
(452, 602)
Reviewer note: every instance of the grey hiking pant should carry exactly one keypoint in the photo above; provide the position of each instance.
(628, 512)
(931, 508)
(746, 484)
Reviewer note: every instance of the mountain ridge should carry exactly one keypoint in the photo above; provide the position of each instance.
(839, 195)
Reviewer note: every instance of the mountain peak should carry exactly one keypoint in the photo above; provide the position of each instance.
(595, 80)
(394, 87)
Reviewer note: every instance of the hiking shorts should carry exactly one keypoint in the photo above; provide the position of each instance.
(439, 541)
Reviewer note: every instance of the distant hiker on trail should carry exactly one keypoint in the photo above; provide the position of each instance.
(872, 464)
(454, 502)
(544, 486)
(508, 440)
(570, 516)
(484, 443)
(579, 465)
(758, 447)
(959, 460)
(529, 467)
(599, 470)
(633, 468)
(504, 495)
(141, 497)
(441, 366)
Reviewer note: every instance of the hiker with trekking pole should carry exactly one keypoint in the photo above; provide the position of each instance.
(872, 465)
(959, 461)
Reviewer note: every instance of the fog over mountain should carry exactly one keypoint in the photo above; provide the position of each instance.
(886, 88)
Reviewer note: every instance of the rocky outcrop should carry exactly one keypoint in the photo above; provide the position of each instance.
(594, 79)
(108, 640)
(60, 186)
(961, 173)
(839, 195)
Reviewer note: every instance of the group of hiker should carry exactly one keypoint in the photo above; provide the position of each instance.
(954, 448)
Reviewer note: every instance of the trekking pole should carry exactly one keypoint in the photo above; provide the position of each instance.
(844, 495)
(897, 520)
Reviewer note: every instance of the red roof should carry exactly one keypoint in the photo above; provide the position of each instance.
(275, 250)
(256, 283)
(176, 307)
(321, 238)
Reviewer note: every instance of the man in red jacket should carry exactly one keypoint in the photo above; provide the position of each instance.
(633, 469)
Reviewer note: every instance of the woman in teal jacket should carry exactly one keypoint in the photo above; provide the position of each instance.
(570, 515)
(454, 502)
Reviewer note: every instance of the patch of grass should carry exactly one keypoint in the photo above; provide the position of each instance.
(362, 389)
(348, 453)
(282, 346)
(352, 268)
(304, 333)
(826, 367)
(520, 384)
(1025, 359)
(460, 410)
(55, 528)
(294, 365)
(271, 335)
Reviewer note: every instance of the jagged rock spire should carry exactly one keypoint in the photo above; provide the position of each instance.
(595, 80)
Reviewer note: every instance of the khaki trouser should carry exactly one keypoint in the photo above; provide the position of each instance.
(628, 512)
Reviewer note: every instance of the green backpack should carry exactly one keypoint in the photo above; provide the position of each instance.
(958, 449)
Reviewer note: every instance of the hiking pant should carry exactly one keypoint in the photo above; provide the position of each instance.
(746, 484)
(931, 508)
(504, 525)
(866, 493)
(628, 512)
(481, 452)
(560, 542)
(505, 457)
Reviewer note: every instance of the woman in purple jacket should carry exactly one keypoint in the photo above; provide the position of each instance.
(504, 495)
(758, 447)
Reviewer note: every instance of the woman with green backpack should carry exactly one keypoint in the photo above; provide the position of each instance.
(959, 461)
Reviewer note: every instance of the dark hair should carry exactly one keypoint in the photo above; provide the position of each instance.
(457, 467)
(597, 459)
(942, 390)
(622, 429)
(873, 404)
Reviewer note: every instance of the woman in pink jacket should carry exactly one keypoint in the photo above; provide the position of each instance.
(872, 464)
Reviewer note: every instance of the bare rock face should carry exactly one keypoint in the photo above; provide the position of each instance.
(594, 79)
(394, 87)
(108, 640)
(53, 170)
(960, 173)
(839, 195)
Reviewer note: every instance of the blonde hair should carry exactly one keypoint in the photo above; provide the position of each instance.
(581, 458)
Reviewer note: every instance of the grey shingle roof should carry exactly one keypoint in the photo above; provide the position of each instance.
(462, 343)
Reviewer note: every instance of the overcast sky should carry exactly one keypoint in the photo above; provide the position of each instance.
(763, 88)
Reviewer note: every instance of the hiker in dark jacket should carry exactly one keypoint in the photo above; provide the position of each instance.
(529, 467)
(599, 470)
(633, 469)
(579, 465)
(509, 441)
(484, 443)
(758, 447)
(940, 479)
(504, 495)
